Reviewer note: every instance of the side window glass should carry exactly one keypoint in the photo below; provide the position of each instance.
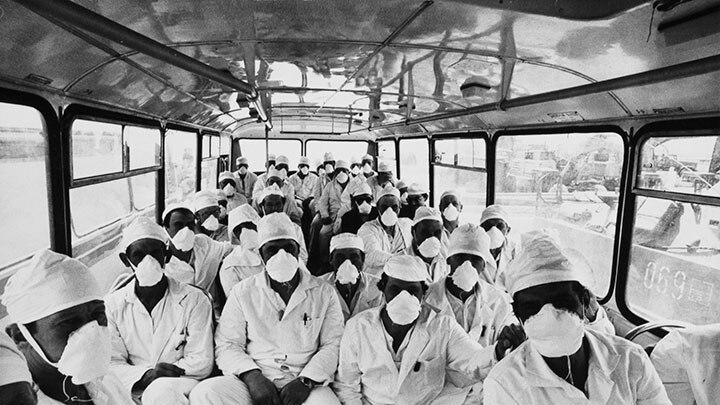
(180, 162)
(460, 166)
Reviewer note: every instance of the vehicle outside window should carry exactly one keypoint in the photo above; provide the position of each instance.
(414, 164)
(254, 150)
(675, 257)
(341, 150)
(180, 165)
(23, 178)
(460, 166)
(568, 184)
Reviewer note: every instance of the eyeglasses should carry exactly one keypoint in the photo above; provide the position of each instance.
(360, 200)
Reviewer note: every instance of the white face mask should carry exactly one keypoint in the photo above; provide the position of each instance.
(497, 239)
(389, 217)
(282, 266)
(403, 309)
(451, 213)
(465, 276)
(355, 170)
(223, 212)
(555, 332)
(87, 354)
(347, 273)
(367, 168)
(321, 172)
(243, 170)
(211, 223)
(304, 170)
(430, 247)
(229, 190)
(184, 240)
(403, 198)
(148, 272)
(329, 168)
(364, 208)
(249, 239)
(342, 177)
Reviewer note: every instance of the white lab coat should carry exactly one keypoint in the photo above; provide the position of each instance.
(438, 267)
(12, 362)
(204, 263)
(304, 187)
(619, 373)
(367, 295)
(179, 332)
(367, 372)
(378, 245)
(290, 208)
(239, 265)
(245, 186)
(258, 331)
(688, 362)
(106, 391)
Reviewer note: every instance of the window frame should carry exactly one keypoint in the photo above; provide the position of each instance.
(680, 128)
(431, 153)
(622, 195)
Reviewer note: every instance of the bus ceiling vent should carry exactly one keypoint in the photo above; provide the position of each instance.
(475, 86)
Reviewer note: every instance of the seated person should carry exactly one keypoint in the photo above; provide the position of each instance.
(331, 198)
(687, 362)
(496, 222)
(278, 336)
(61, 329)
(15, 379)
(376, 181)
(244, 261)
(279, 178)
(398, 353)
(356, 289)
(272, 200)
(427, 230)
(481, 309)
(562, 362)
(402, 187)
(161, 329)
(207, 213)
(228, 183)
(196, 258)
(387, 235)
(417, 197)
(223, 203)
(351, 219)
(450, 207)
(245, 178)
(303, 181)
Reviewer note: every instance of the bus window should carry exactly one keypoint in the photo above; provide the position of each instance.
(341, 150)
(254, 151)
(209, 165)
(460, 165)
(96, 148)
(414, 165)
(675, 257)
(386, 153)
(567, 183)
(143, 146)
(24, 199)
(180, 162)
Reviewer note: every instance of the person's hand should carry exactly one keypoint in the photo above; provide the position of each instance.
(294, 393)
(591, 310)
(160, 370)
(262, 391)
(327, 221)
(510, 338)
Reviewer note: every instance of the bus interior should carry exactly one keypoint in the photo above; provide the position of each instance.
(599, 120)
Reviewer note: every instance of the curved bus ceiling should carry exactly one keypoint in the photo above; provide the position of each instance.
(346, 66)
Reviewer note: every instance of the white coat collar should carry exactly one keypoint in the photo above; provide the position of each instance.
(307, 283)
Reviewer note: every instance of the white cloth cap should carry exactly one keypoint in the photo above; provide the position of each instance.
(276, 226)
(50, 283)
(173, 207)
(242, 160)
(417, 189)
(367, 157)
(388, 190)
(342, 164)
(359, 188)
(406, 268)
(204, 199)
(270, 190)
(346, 241)
(541, 260)
(470, 239)
(328, 157)
(494, 212)
(227, 176)
(401, 184)
(449, 192)
(355, 161)
(271, 156)
(282, 160)
(304, 160)
(240, 215)
(220, 195)
(142, 228)
(383, 167)
(427, 214)
(273, 172)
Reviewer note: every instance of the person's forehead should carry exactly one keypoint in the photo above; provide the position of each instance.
(208, 210)
(181, 215)
(272, 199)
(428, 225)
(495, 222)
(449, 199)
(74, 311)
(545, 292)
(278, 244)
(145, 246)
(461, 257)
(346, 253)
(361, 196)
(388, 200)
(402, 284)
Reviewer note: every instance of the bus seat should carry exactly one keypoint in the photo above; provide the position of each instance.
(649, 326)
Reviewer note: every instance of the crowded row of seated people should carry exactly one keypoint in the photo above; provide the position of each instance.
(223, 303)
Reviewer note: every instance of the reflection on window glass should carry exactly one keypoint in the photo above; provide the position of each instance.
(180, 161)
(225, 145)
(675, 261)
(689, 165)
(96, 148)
(386, 153)
(143, 190)
(460, 152)
(208, 174)
(341, 150)
(569, 183)
(414, 165)
(143, 146)
(254, 150)
(470, 185)
(94, 206)
(24, 199)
